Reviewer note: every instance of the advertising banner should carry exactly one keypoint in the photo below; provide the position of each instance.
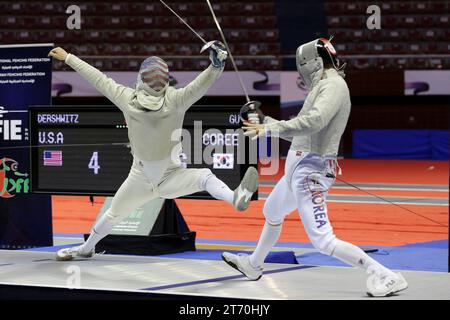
(25, 79)
(257, 83)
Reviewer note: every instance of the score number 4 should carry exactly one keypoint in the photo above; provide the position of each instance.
(93, 163)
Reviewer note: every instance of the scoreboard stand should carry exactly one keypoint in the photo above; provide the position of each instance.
(156, 228)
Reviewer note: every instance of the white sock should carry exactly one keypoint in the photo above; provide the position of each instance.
(268, 239)
(356, 257)
(218, 189)
(100, 230)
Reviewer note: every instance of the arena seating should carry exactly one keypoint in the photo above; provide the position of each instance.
(115, 35)
(409, 31)
(118, 35)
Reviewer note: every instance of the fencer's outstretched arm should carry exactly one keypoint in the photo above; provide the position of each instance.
(316, 117)
(115, 92)
(268, 120)
(190, 94)
(195, 90)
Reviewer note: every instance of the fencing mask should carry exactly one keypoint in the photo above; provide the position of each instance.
(311, 57)
(152, 82)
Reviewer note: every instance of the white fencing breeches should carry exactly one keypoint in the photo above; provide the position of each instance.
(147, 181)
(305, 185)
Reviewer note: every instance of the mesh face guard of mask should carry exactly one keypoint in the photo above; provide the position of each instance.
(154, 72)
(310, 59)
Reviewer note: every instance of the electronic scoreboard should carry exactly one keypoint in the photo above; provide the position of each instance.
(84, 150)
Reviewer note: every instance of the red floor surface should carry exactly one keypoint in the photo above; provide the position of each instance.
(378, 224)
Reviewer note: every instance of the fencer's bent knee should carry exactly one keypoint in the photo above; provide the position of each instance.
(205, 174)
(273, 215)
(324, 245)
(274, 221)
(114, 218)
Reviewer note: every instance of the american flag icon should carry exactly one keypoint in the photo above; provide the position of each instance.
(53, 158)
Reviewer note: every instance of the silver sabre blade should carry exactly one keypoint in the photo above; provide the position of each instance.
(182, 20)
(228, 49)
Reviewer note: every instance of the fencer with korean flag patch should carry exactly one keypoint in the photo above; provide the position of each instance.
(310, 170)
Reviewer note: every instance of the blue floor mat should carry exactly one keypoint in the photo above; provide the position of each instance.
(426, 256)
(286, 257)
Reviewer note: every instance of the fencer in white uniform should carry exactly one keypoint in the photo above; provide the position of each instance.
(154, 113)
(310, 170)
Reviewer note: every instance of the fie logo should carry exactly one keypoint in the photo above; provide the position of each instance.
(11, 129)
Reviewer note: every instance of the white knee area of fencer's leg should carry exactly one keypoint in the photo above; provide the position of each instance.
(275, 223)
(325, 245)
(112, 217)
(105, 223)
(272, 215)
(204, 176)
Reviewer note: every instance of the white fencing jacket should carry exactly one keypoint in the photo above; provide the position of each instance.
(153, 135)
(322, 120)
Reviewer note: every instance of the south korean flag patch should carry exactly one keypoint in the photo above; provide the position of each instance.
(223, 161)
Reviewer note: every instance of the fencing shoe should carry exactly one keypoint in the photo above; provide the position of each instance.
(241, 263)
(382, 285)
(71, 253)
(245, 190)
